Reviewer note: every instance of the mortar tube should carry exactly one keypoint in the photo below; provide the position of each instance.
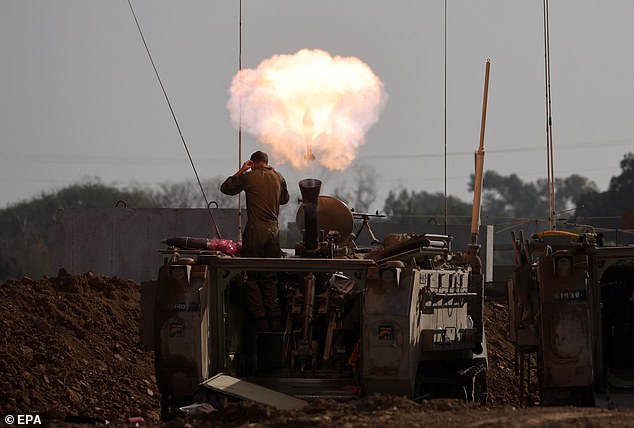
(309, 189)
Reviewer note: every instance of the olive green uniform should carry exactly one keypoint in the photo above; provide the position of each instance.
(265, 190)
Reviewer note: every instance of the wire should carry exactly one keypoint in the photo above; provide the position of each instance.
(105, 158)
(593, 145)
(169, 104)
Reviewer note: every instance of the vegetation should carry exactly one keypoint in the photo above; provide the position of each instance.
(363, 191)
(619, 197)
(408, 206)
(509, 196)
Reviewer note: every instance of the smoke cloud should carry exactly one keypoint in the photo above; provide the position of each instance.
(308, 103)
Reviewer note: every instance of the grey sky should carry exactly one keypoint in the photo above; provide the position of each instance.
(78, 97)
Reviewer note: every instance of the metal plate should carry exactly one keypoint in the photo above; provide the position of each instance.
(243, 389)
(332, 214)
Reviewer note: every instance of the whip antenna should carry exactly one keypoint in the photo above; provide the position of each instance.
(549, 123)
(240, 125)
(169, 104)
(445, 118)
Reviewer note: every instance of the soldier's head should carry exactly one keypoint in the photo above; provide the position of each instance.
(260, 158)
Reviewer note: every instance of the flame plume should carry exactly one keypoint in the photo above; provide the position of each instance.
(309, 133)
(308, 105)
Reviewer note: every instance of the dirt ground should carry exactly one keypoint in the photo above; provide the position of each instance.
(69, 346)
(69, 352)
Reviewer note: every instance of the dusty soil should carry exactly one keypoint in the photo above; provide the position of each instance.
(389, 411)
(502, 383)
(69, 348)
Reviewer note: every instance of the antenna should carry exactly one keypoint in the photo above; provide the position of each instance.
(445, 118)
(240, 123)
(552, 221)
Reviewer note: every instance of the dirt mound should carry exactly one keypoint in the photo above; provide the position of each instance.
(69, 346)
(502, 382)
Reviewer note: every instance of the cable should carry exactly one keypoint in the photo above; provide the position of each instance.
(594, 145)
(169, 104)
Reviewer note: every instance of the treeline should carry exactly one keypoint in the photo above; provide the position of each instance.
(508, 196)
(27, 228)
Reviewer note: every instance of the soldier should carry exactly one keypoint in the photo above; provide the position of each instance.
(265, 190)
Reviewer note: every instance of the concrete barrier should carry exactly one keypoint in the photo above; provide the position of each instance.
(123, 242)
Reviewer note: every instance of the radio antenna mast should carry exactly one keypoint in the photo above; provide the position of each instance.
(552, 220)
(240, 124)
(445, 117)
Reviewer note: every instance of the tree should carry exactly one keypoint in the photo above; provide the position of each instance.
(187, 194)
(512, 197)
(625, 181)
(614, 201)
(362, 194)
(407, 206)
(27, 228)
(570, 189)
(509, 196)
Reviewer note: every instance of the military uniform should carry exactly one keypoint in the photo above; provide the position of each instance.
(265, 190)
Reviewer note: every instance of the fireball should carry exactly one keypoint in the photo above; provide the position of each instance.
(308, 106)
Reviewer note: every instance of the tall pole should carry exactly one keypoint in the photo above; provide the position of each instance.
(240, 125)
(445, 120)
(552, 220)
(479, 162)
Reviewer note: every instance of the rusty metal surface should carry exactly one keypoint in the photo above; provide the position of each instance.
(332, 214)
(292, 264)
(566, 333)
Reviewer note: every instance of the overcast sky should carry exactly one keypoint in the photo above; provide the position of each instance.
(78, 96)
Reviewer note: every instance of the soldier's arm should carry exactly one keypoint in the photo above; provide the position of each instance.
(231, 186)
(235, 184)
(284, 197)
